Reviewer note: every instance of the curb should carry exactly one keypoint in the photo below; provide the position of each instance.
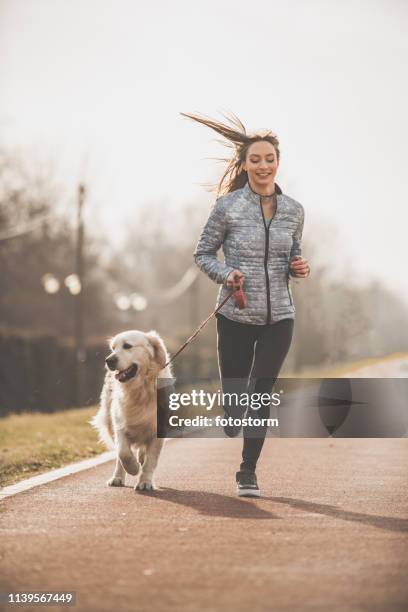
(73, 468)
(67, 470)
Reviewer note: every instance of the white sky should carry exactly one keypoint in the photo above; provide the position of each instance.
(96, 86)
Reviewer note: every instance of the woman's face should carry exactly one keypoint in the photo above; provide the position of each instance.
(261, 164)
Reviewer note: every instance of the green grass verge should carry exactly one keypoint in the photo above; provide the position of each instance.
(32, 443)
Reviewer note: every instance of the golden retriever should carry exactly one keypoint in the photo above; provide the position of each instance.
(134, 400)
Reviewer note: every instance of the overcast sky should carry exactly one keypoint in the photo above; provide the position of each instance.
(96, 86)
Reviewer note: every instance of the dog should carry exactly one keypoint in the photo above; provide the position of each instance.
(134, 405)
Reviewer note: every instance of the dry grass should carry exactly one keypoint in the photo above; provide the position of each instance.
(32, 443)
(345, 368)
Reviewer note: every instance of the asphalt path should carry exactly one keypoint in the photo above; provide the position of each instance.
(330, 531)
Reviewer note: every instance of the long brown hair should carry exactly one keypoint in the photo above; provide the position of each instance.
(236, 137)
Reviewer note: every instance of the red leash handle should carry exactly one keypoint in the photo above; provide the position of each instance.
(240, 300)
(240, 297)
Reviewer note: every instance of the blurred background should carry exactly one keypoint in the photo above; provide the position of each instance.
(102, 182)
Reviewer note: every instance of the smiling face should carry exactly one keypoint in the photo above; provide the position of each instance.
(261, 163)
(135, 354)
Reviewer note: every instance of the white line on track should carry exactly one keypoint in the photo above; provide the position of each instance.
(35, 481)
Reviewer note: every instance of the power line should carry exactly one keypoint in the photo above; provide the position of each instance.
(169, 295)
(24, 229)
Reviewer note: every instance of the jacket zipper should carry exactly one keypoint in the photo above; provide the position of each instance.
(268, 291)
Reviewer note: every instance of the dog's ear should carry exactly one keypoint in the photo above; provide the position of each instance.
(159, 349)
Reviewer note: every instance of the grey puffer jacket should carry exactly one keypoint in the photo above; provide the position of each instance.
(261, 250)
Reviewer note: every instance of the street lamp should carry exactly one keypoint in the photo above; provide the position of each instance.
(73, 284)
(50, 283)
(122, 302)
(126, 302)
(138, 301)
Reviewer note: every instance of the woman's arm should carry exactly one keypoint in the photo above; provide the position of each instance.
(298, 266)
(212, 236)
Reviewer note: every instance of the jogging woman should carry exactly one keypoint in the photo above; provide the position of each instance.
(260, 231)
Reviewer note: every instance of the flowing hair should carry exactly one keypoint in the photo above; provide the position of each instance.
(235, 137)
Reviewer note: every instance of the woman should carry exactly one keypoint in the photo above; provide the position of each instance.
(260, 231)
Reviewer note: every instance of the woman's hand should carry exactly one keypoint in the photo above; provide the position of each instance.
(300, 267)
(234, 279)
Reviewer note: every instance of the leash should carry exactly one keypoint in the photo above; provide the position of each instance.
(241, 302)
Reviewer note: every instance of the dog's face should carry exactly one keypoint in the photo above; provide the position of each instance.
(134, 354)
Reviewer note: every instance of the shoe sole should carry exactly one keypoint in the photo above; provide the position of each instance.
(249, 493)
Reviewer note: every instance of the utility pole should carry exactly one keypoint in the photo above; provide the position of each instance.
(79, 298)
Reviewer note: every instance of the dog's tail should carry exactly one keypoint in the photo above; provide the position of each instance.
(102, 420)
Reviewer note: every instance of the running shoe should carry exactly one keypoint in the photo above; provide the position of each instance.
(247, 485)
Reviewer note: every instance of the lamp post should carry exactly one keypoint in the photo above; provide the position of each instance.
(74, 283)
(52, 285)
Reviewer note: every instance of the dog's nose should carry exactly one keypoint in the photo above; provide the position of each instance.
(111, 361)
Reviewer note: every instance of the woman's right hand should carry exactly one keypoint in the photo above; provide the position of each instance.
(234, 279)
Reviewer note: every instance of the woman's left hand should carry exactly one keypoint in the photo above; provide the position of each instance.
(300, 267)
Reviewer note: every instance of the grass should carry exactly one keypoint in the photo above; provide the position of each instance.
(345, 368)
(33, 443)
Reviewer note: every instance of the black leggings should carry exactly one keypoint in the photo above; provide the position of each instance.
(254, 354)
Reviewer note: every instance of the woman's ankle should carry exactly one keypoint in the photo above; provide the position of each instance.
(247, 467)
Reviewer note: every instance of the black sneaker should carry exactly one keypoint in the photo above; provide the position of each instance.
(247, 485)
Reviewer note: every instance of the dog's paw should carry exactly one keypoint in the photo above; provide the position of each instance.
(145, 485)
(115, 482)
(130, 465)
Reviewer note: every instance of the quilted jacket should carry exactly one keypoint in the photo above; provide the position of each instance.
(261, 250)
